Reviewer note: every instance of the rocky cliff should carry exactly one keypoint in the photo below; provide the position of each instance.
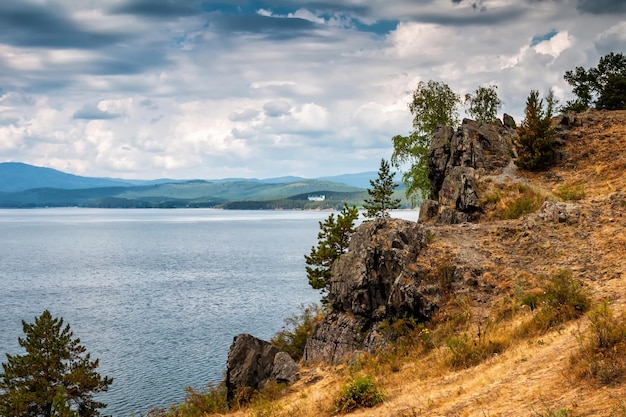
(370, 284)
(456, 159)
(382, 278)
(468, 277)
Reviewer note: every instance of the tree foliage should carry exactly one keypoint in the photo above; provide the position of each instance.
(434, 105)
(332, 240)
(484, 104)
(54, 378)
(381, 193)
(603, 86)
(536, 147)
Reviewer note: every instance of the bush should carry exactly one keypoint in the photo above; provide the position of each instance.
(297, 330)
(361, 392)
(602, 354)
(211, 400)
(466, 353)
(571, 192)
(527, 201)
(562, 298)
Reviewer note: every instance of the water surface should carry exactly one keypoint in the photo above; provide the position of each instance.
(156, 295)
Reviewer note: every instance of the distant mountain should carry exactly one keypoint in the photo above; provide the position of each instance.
(361, 179)
(23, 185)
(16, 176)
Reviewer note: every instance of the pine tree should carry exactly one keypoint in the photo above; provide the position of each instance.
(333, 240)
(54, 378)
(381, 193)
(536, 146)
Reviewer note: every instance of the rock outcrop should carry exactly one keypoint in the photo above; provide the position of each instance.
(456, 158)
(372, 283)
(252, 363)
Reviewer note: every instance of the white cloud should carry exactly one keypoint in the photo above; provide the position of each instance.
(555, 45)
(310, 91)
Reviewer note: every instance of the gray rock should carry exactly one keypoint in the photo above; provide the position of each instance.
(252, 363)
(285, 368)
(455, 159)
(428, 211)
(559, 212)
(337, 337)
(508, 121)
(370, 284)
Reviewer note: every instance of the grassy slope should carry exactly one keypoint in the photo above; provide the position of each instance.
(533, 376)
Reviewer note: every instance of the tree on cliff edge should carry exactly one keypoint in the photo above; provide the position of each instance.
(381, 193)
(434, 105)
(332, 240)
(54, 378)
(484, 104)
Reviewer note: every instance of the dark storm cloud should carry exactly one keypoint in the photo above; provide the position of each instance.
(157, 8)
(322, 6)
(31, 25)
(276, 108)
(602, 6)
(92, 112)
(276, 27)
(473, 17)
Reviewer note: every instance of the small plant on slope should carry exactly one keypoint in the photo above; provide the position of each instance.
(299, 327)
(361, 392)
(602, 354)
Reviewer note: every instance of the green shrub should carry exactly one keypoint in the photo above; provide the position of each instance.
(571, 192)
(211, 400)
(528, 201)
(298, 328)
(466, 353)
(602, 354)
(361, 392)
(562, 298)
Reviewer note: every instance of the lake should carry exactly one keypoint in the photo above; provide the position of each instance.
(156, 295)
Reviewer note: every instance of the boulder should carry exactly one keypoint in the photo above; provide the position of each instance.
(509, 121)
(285, 368)
(252, 363)
(559, 212)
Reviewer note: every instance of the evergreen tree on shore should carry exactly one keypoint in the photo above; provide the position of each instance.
(333, 240)
(381, 200)
(54, 378)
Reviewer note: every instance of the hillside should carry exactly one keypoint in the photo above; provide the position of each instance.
(15, 176)
(480, 355)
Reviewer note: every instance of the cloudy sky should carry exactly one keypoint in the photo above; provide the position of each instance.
(246, 88)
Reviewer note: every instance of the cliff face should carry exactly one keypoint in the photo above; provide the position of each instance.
(373, 282)
(456, 159)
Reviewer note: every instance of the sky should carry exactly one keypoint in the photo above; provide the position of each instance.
(207, 89)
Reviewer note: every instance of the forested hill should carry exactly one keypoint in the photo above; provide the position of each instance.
(26, 186)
